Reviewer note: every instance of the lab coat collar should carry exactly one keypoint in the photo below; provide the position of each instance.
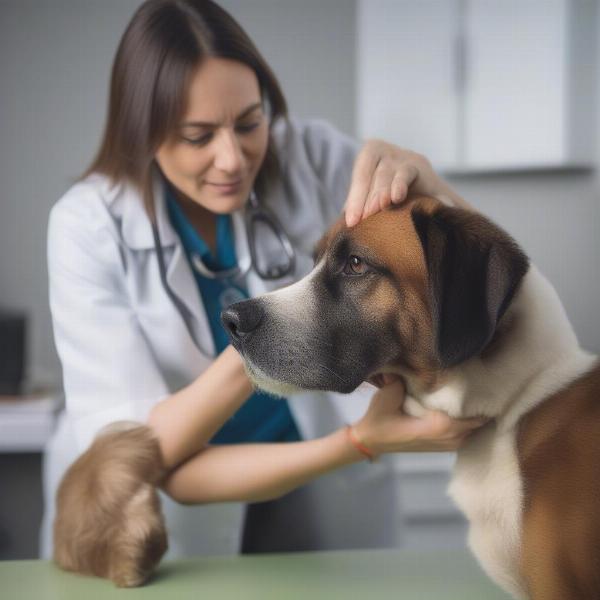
(136, 225)
(137, 228)
(137, 234)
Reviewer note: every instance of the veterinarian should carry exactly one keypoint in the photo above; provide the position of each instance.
(205, 192)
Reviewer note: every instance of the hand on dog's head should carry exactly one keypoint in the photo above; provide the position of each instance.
(108, 517)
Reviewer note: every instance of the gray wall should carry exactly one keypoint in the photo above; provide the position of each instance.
(556, 218)
(55, 62)
(55, 58)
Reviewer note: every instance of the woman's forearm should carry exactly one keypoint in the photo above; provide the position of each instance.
(257, 472)
(185, 421)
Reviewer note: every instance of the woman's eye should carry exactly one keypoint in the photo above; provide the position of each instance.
(355, 266)
(198, 141)
(246, 127)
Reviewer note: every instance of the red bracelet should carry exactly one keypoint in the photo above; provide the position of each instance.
(368, 453)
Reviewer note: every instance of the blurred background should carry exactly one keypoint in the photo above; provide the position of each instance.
(503, 97)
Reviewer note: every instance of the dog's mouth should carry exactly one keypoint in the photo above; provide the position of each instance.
(283, 389)
(382, 379)
(268, 384)
(378, 380)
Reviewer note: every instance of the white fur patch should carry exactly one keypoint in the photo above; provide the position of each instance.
(296, 302)
(268, 384)
(486, 485)
(543, 356)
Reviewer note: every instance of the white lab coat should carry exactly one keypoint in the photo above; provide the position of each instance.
(124, 345)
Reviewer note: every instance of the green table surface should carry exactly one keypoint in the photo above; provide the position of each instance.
(357, 574)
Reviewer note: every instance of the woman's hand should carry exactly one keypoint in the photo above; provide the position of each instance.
(384, 173)
(385, 428)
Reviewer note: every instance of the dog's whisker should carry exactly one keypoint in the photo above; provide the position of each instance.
(332, 372)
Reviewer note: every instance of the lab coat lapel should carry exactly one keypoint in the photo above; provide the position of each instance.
(182, 283)
(137, 233)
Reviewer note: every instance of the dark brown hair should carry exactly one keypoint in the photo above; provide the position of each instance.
(163, 44)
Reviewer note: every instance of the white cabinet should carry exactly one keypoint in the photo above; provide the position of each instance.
(26, 424)
(480, 84)
(407, 91)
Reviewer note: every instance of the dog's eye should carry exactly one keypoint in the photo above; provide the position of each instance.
(355, 266)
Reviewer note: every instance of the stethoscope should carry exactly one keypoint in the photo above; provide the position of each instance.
(254, 216)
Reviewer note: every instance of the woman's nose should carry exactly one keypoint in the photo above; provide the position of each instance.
(229, 157)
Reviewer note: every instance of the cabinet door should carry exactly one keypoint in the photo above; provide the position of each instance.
(407, 75)
(516, 102)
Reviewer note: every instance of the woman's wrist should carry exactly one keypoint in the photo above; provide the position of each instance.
(346, 447)
(258, 472)
(354, 439)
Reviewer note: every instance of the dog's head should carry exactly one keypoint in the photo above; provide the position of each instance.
(419, 288)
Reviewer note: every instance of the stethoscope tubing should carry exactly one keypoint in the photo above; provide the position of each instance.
(253, 215)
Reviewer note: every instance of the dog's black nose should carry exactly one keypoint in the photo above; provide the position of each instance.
(242, 318)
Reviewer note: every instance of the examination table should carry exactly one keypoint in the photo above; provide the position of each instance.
(356, 574)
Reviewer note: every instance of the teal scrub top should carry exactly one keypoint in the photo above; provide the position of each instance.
(262, 418)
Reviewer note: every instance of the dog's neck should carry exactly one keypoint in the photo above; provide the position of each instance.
(534, 354)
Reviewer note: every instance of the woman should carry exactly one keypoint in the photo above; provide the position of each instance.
(146, 250)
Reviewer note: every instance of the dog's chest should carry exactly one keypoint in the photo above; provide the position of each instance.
(486, 485)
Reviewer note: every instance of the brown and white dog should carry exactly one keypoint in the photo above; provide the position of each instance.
(447, 300)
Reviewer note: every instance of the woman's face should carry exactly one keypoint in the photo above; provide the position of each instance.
(214, 156)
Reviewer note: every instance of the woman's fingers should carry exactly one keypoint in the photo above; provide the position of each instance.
(389, 399)
(383, 174)
(380, 194)
(403, 179)
(362, 173)
(385, 427)
(436, 425)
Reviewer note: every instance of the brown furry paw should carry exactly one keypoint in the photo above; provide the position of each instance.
(108, 516)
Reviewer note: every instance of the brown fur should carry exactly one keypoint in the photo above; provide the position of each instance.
(438, 283)
(409, 298)
(558, 442)
(108, 521)
(401, 299)
(559, 452)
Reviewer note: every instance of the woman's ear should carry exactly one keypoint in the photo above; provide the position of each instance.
(474, 270)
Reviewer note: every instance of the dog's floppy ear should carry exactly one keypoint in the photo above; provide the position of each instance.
(474, 270)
